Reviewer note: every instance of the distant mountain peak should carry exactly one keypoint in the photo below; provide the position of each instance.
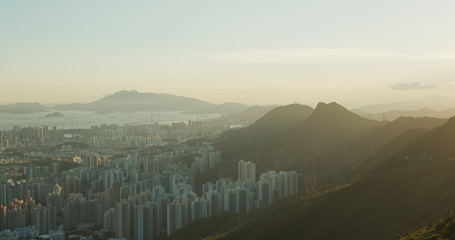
(132, 101)
(128, 93)
(451, 120)
(22, 108)
(291, 111)
(334, 117)
(124, 92)
(283, 117)
(334, 111)
(330, 107)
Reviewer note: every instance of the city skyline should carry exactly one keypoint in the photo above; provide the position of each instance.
(253, 52)
(221, 120)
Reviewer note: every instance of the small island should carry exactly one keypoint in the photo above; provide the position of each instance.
(55, 114)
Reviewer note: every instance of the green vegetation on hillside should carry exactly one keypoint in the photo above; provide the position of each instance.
(444, 229)
(402, 174)
(249, 143)
(382, 206)
(206, 227)
(330, 141)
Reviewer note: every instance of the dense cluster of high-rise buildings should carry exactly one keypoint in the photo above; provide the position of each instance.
(27, 136)
(139, 135)
(90, 193)
(135, 197)
(132, 194)
(149, 214)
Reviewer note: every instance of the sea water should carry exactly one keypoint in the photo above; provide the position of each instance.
(84, 119)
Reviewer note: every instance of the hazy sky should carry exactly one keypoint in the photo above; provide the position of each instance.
(355, 52)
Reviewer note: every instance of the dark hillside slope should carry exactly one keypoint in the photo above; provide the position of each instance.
(272, 123)
(329, 127)
(385, 133)
(436, 145)
(380, 142)
(311, 146)
(379, 207)
(330, 143)
(439, 143)
(282, 141)
(444, 229)
(247, 142)
(375, 163)
(407, 183)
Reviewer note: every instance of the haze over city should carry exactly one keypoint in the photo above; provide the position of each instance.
(254, 52)
(227, 120)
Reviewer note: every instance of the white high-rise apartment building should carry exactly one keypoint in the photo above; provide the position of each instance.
(246, 171)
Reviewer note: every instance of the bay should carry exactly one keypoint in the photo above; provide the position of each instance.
(84, 119)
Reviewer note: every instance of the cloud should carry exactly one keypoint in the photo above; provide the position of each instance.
(411, 86)
(323, 56)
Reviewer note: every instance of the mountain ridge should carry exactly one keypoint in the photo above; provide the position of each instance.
(436, 103)
(23, 108)
(131, 101)
(424, 112)
(383, 203)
